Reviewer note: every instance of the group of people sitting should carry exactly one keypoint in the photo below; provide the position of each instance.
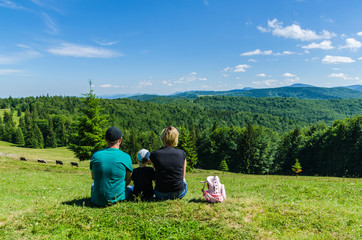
(112, 171)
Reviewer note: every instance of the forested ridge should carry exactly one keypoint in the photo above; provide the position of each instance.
(239, 134)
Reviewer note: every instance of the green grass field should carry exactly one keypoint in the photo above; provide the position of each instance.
(41, 201)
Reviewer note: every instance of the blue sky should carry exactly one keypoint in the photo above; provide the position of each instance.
(166, 46)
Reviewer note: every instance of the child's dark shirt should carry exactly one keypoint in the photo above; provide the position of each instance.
(142, 178)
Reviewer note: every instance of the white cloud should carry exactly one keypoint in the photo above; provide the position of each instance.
(109, 86)
(50, 23)
(257, 52)
(167, 83)
(336, 69)
(323, 45)
(190, 78)
(352, 44)
(359, 34)
(225, 75)
(261, 29)
(294, 31)
(227, 69)
(339, 75)
(261, 75)
(74, 50)
(143, 84)
(251, 60)
(10, 4)
(267, 53)
(9, 71)
(336, 59)
(241, 68)
(284, 53)
(360, 58)
(17, 57)
(289, 75)
(268, 82)
(105, 43)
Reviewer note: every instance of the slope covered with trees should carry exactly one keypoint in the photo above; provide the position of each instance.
(239, 134)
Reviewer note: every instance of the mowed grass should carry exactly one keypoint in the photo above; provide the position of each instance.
(41, 201)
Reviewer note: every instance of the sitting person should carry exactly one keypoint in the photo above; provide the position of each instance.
(111, 170)
(170, 167)
(142, 177)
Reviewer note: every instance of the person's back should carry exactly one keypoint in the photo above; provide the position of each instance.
(142, 178)
(111, 171)
(169, 163)
(170, 167)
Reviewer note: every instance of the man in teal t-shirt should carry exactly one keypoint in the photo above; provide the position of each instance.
(111, 170)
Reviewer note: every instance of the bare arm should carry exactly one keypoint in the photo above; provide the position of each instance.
(184, 170)
(128, 177)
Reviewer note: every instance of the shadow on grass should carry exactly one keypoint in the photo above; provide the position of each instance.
(197, 200)
(82, 202)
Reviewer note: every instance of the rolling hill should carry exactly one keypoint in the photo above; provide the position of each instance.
(300, 91)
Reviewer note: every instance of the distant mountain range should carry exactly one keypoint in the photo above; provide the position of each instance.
(301, 91)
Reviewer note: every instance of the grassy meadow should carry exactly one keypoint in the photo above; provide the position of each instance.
(46, 201)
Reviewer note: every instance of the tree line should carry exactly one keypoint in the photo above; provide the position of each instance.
(245, 135)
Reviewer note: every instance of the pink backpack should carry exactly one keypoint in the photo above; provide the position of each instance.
(216, 190)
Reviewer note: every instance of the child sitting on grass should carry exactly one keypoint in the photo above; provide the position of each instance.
(143, 176)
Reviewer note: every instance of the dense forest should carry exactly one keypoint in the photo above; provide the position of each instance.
(238, 134)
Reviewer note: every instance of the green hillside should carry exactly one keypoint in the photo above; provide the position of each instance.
(40, 201)
(294, 92)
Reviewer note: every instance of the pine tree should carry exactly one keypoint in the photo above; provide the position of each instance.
(51, 140)
(90, 129)
(19, 138)
(187, 144)
(297, 168)
(223, 165)
(38, 140)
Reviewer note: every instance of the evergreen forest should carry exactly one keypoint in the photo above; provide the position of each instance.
(237, 134)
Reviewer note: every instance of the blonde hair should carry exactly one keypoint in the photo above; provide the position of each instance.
(169, 136)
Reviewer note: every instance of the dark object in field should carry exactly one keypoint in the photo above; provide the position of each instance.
(22, 158)
(59, 162)
(42, 161)
(74, 164)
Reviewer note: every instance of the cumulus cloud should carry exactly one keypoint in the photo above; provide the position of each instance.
(241, 68)
(352, 44)
(289, 75)
(143, 84)
(191, 77)
(360, 58)
(109, 86)
(261, 75)
(168, 83)
(326, 45)
(338, 75)
(266, 53)
(257, 52)
(268, 82)
(238, 68)
(294, 31)
(359, 34)
(74, 50)
(336, 59)
(251, 60)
